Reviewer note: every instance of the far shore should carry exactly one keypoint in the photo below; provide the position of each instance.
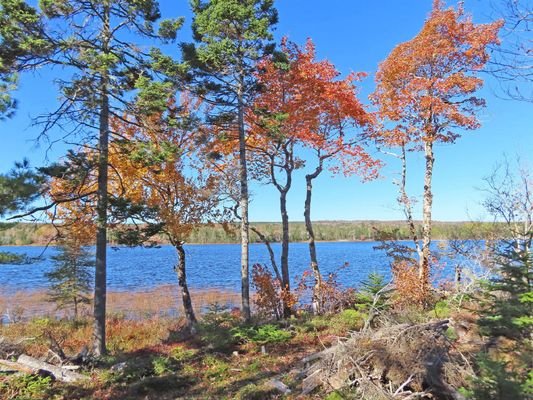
(233, 243)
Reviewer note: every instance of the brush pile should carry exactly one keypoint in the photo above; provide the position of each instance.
(405, 361)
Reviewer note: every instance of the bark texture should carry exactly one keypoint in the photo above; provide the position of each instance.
(425, 261)
(100, 277)
(182, 282)
(317, 297)
(243, 205)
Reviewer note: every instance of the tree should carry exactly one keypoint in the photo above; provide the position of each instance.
(509, 200)
(275, 116)
(92, 40)
(334, 137)
(425, 93)
(20, 187)
(511, 62)
(162, 174)
(7, 103)
(21, 36)
(305, 105)
(70, 280)
(506, 304)
(230, 37)
(158, 186)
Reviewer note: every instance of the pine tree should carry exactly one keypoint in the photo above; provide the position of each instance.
(507, 302)
(507, 312)
(230, 37)
(21, 36)
(103, 67)
(70, 280)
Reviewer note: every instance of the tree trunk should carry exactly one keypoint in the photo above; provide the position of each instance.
(407, 208)
(286, 287)
(266, 242)
(426, 217)
(100, 276)
(182, 282)
(317, 300)
(243, 205)
(100, 281)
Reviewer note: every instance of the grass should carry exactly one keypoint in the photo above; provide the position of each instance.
(162, 301)
(225, 361)
(152, 358)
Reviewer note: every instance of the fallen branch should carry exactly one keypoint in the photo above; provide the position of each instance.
(11, 366)
(61, 374)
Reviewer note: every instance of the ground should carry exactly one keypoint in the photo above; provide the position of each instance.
(150, 359)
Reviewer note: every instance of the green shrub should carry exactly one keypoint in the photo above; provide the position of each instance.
(26, 387)
(215, 329)
(13, 258)
(216, 368)
(495, 381)
(373, 296)
(70, 280)
(264, 334)
(347, 320)
(161, 365)
(334, 396)
(179, 354)
(451, 334)
(254, 392)
(506, 311)
(441, 309)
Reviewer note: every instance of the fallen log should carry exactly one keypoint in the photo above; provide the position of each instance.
(9, 366)
(61, 374)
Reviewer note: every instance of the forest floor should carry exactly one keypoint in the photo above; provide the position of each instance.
(226, 359)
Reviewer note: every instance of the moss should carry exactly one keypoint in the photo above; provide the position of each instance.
(347, 320)
(441, 309)
(255, 392)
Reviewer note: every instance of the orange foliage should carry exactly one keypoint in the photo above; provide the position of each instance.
(306, 102)
(333, 296)
(166, 172)
(410, 289)
(270, 297)
(154, 162)
(426, 85)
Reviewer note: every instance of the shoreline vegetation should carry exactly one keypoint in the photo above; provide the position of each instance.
(40, 234)
(161, 302)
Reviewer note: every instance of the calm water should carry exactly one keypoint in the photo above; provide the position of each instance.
(209, 266)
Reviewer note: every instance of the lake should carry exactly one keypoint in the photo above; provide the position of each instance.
(208, 266)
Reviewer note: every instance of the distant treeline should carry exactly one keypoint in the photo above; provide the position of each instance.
(40, 234)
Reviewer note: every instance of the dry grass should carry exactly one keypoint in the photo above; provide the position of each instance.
(162, 301)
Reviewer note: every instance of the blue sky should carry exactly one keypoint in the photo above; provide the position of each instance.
(355, 36)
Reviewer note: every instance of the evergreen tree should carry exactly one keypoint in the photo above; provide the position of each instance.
(230, 37)
(507, 312)
(21, 36)
(102, 68)
(507, 304)
(19, 187)
(70, 280)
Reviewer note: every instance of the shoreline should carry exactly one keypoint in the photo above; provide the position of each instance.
(233, 243)
(163, 300)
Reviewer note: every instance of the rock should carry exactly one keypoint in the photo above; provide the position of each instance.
(119, 367)
(279, 386)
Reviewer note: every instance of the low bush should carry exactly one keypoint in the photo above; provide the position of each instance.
(264, 334)
(25, 387)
